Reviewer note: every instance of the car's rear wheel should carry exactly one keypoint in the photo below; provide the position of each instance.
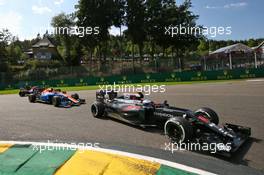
(209, 114)
(98, 109)
(22, 94)
(32, 98)
(178, 130)
(56, 101)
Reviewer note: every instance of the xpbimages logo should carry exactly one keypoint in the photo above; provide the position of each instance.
(194, 146)
(212, 31)
(128, 88)
(71, 31)
(56, 146)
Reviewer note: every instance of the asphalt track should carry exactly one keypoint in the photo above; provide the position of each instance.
(236, 102)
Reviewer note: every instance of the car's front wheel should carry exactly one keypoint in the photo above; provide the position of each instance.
(98, 109)
(22, 94)
(178, 129)
(56, 101)
(32, 98)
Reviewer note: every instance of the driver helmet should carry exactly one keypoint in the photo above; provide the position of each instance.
(132, 96)
(50, 89)
(147, 102)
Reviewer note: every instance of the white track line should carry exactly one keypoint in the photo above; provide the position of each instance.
(152, 159)
(255, 80)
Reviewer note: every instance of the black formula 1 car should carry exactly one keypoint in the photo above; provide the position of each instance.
(29, 90)
(180, 125)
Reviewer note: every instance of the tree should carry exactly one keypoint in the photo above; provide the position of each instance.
(203, 48)
(181, 17)
(70, 49)
(5, 37)
(119, 20)
(252, 43)
(153, 23)
(136, 23)
(14, 53)
(118, 13)
(100, 14)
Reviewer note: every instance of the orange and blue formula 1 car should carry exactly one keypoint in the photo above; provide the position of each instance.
(56, 97)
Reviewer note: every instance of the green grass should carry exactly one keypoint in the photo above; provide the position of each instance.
(81, 88)
(5, 92)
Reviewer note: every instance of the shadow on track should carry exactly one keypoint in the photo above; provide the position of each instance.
(152, 129)
(236, 158)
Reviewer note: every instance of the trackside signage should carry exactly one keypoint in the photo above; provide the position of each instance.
(142, 78)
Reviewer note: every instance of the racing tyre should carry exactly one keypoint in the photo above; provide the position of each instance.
(22, 94)
(98, 109)
(209, 114)
(75, 96)
(178, 130)
(32, 98)
(56, 101)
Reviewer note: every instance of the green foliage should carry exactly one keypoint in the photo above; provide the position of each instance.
(69, 47)
(14, 53)
(99, 14)
(252, 43)
(136, 22)
(4, 67)
(203, 47)
(36, 64)
(5, 36)
(145, 20)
